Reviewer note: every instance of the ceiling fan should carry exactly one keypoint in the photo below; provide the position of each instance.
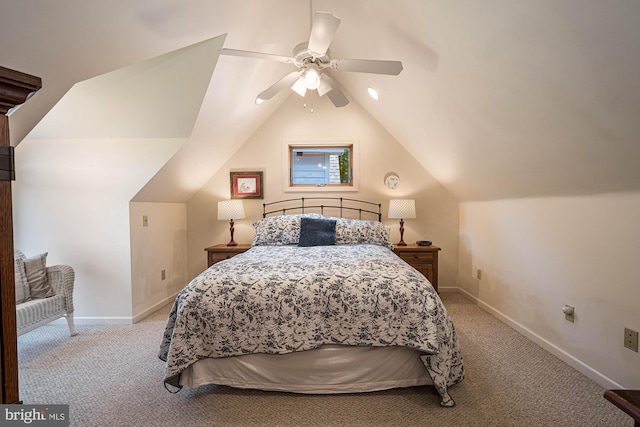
(312, 58)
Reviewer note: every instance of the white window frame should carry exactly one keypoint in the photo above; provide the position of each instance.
(286, 162)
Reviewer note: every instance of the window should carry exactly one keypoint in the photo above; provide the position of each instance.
(314, 166)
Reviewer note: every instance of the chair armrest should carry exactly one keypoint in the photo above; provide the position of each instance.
(61, 278)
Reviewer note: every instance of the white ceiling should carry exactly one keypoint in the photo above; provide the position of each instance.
(157, 98)
(498, 98)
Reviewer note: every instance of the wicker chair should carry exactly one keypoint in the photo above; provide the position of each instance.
(37, 312)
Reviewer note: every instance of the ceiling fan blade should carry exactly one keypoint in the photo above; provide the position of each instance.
(367, 66)
(335, 94)
(258, 55)
(323, 29)
(281, 84)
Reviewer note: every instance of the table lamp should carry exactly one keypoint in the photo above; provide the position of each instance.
(402, 209)
(230, 210)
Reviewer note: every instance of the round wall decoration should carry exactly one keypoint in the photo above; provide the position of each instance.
(391, 180)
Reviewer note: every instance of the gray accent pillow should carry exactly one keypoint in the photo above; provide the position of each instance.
(23, 294)
(317, 232)
(36, 269)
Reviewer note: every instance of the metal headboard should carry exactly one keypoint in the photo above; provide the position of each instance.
(312, 204)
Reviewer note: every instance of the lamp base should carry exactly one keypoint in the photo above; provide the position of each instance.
(231, 230)
(401, 242)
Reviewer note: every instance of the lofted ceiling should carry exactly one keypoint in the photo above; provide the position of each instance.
(497, 99)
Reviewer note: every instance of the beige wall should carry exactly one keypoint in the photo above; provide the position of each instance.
(71, 199)
(538, 254)
(160, 245)
(379, 153)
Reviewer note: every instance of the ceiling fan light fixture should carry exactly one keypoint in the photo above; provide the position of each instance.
(312, 79)
(300, 87)
(312, 58)
(324, 87)
(373, 93)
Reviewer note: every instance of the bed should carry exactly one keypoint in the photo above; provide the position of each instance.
(318, 304)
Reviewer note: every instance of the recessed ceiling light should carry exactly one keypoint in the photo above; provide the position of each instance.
(373, 93)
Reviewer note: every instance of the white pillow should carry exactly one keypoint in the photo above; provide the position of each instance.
(361, 232)
(279, 230)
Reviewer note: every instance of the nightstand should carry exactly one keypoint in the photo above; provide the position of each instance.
(219, 253)
(422, 258)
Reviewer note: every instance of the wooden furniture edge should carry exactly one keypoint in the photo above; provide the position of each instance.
(627, 400)
(15, 89)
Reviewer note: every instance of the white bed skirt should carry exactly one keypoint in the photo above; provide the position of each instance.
(328, 369)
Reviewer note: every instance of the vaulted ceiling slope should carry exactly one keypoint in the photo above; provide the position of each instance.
(498, 99)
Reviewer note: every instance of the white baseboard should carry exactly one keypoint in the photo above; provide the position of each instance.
(138, 317)
(118, 320)
(570, 360)
(95, 321)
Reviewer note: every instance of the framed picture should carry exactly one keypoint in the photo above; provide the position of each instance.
(246, 185)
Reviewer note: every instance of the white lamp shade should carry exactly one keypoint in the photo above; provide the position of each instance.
(299, 87)
(230, 209)
(402, 209)
(324, 87)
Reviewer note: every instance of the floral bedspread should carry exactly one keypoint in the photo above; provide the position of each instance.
(282, 299)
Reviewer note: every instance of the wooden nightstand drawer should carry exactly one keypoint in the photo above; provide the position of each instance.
(426, 257)
(422, 258)
(219, 253)
(217, 257)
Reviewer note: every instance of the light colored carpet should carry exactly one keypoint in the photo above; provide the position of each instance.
(111, 376)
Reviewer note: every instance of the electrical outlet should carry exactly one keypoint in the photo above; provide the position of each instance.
(163, 274)
(479, 274)
(631, 339)
(145, 220)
